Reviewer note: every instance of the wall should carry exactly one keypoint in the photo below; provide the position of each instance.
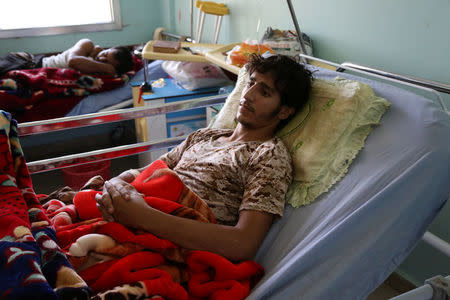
(139, 17)
(404, 36)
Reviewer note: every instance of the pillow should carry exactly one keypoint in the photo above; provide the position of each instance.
(195, 75)
(328, 133)
(325, 136)
(225, 119)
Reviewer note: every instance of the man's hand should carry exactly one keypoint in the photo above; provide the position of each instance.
(129, 175)
(104, 201)
(127, 203)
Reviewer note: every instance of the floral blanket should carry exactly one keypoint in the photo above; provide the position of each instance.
(32, 265)
(36, 94)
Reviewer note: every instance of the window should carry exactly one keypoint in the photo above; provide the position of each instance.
(20, 18)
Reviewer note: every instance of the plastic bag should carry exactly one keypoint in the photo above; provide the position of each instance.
(195, 75)
(285, 42)
(238, 56)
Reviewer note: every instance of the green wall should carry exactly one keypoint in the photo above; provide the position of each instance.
(139, 17)
(408, 37)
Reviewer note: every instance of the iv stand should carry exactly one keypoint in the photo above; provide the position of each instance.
(297, 29)
(192, 20)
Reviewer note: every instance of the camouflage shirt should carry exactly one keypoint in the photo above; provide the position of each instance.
(234, 176)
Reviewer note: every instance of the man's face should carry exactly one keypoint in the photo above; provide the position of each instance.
(260, 102)
(107, 57)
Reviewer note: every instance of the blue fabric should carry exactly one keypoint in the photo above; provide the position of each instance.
(95, 102)
(347, 242)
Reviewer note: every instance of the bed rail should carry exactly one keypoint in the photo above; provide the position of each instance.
(425, 85)
(52, 125)
(57, 124)
(438, 86)
(427, 291)
(71, 160)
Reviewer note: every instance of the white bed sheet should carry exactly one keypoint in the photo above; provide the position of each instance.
(347, 242)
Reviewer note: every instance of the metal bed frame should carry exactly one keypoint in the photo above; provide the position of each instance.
(38, 127)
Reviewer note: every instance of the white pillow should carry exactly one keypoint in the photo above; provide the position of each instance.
(195, 75)
(227, 114)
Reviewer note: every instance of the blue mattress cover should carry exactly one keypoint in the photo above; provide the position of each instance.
(95, 102)
(347, 242)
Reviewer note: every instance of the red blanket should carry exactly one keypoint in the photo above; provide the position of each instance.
(44, 93)
(114, 260)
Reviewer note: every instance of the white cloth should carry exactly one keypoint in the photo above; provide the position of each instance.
(60, 60)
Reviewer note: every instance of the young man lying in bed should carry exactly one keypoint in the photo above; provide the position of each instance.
(242, 174)
(84, 57)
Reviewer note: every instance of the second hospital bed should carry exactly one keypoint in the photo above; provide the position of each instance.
(347, 242)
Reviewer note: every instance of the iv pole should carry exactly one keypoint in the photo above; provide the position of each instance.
(297, 29)
(192, 20)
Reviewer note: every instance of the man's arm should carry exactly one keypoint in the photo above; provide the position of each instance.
(239, 242)
(80, 61)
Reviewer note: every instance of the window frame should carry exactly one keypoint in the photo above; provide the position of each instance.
(115, 24)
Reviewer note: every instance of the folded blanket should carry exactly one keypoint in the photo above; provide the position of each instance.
(32, 265)
(115, 260)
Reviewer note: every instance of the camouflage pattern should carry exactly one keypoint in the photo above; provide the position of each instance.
(234, 176)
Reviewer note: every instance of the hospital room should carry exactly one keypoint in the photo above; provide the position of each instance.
(101, 200)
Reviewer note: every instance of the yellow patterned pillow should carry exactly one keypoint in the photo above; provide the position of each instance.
(325, 136)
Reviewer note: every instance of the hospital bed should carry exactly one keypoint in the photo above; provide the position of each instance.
(347, 242)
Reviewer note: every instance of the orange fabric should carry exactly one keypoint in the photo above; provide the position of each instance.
(86, 204)
(239, 58)
(159, 181)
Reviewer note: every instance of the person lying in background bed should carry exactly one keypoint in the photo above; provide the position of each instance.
(84, 57)
(242, 174)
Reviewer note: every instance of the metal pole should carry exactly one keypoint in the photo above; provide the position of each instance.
(200, 26)
(217, 28)
(297, 29)
(437, 243)
(192, 20)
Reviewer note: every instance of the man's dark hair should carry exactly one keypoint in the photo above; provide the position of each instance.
(124, 58)
(292, 80)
